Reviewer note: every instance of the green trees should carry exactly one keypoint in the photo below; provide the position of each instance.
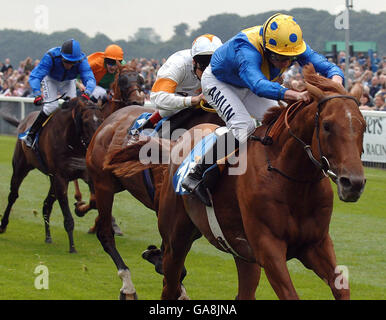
(318, 27)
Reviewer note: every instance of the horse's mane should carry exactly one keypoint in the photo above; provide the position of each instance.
(313, 78)
(324, 84)
(68, 105)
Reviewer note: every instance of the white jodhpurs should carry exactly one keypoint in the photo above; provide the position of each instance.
(99, 92)
(52, 88)
(238, 107)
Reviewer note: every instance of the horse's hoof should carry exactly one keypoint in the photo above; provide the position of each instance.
(154, 256)
(128, 296)
(48, 240)
(151, 251)
(2, 230)
(117, 231)
(73, 250)
(184, 295)
(80, 208)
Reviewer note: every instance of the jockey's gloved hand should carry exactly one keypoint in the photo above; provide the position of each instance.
(38, 100)
(86, 96)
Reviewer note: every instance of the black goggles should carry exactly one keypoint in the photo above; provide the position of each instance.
(111, 62)
(279, 58)
(69, 62)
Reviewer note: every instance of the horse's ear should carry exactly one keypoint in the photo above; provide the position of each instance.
(120, 66)
(315, 92)
(357, 91)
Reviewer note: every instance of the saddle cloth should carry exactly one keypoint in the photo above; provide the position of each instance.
(199, 150)
(139, 122)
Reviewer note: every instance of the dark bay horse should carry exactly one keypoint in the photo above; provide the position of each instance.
(61, 151)
(112, 137)
(281, 207)
(126, 91)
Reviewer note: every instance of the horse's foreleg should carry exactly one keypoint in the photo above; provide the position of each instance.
(271, 254)
(20, 171)
(78, 194)
(47, 209)
(178, 235)
(81, 207)
(321, 259)
(105, 234)
(249, 277)
(61, 187)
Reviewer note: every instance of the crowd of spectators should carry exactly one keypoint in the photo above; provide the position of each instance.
(14, 81)
(370, 72)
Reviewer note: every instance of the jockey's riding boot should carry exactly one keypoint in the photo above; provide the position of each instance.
(194, 182)
(30, 138)
(152, 121)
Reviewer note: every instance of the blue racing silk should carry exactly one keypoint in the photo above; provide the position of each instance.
(241, 62)
(51, 65)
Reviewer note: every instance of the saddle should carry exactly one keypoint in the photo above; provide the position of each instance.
(176, 121)
(35, 148)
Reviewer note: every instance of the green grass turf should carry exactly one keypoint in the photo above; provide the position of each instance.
(358, 231)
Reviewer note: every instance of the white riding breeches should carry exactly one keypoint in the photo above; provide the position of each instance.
(238, 107)
(51, 88)
(99, 92)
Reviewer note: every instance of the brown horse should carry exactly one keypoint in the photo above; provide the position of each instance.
(126, 91)
(281, 207)
(60, 154)
(110, 137)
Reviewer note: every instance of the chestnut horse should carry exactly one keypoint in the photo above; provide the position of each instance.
(60, 154)
(126, 91)
(281, 207)
(111, 137)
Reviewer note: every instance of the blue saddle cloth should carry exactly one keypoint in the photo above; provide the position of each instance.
(147, 175)
(143, 118)
(199, 150)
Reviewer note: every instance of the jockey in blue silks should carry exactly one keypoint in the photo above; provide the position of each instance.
(57, 73)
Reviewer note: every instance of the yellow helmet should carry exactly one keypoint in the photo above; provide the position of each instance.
(282, 35)
(114, 52)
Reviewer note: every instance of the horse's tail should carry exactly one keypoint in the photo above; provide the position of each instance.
(147, 152)
(10, 119)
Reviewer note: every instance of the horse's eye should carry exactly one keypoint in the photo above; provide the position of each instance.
(326, 126)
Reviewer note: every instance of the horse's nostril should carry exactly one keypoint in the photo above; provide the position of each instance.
(345, 182)
(352, 183)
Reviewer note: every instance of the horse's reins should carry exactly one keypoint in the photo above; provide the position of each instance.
(131, 79)
(58, 98)
(78, 119)
(322, 164)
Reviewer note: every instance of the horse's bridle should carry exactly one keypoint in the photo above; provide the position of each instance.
(322, 164)
(132, 78)
(77, 117)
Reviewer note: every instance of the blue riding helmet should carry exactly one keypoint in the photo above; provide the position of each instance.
(71, 51)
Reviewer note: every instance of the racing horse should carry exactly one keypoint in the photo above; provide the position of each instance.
(111, 137)
(59, 153)
(126, 91)
(281, 207)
